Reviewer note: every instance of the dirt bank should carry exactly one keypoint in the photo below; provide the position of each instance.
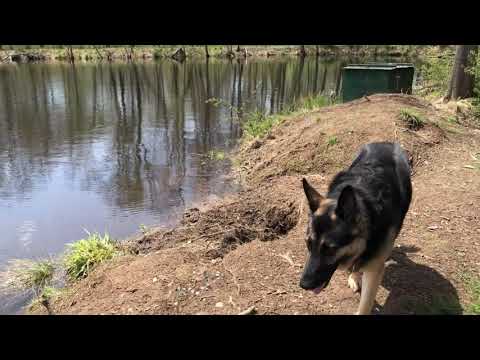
(248, 250)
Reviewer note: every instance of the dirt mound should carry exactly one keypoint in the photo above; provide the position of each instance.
(221, 259)
(264, 214)
(324, 141)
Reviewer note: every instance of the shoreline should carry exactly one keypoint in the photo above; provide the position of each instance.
(125, 54)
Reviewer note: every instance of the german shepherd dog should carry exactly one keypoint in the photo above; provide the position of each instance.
(355, 225)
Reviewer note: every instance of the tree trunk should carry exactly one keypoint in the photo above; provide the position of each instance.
(230, 53)
(70, 55)
(302, 51)
(317, 50)
(462, 82)
(207, 55)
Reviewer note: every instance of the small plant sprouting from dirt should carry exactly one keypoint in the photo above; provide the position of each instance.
(412, 119)
(452, 120)
(333, 140)
(86, 254)
(44, 299)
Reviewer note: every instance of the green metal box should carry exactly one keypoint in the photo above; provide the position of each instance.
(359, 80)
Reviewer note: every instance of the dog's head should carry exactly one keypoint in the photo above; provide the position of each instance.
(334, 236)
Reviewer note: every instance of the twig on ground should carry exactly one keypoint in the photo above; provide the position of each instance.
(287, 258)
(234, 279)
(250, 311)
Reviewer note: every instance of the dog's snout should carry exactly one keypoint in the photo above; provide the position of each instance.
(306, 284)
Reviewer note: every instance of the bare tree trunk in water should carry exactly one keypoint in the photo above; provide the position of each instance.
(98, 53)
(302, 51)
(238, 48)
(317, 50)
(239, 96)
(132, 52)
(230, 53)
(462, 82)
(71, 58)
(207, 55)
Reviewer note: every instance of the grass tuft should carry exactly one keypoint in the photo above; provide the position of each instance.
(473, 287)
(413, 120)
(333, 140)
(25, 275)
(84, 255)
(257, 124)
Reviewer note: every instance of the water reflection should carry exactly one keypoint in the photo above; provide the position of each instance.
(112, 146)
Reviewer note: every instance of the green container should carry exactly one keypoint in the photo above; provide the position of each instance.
(359, 80)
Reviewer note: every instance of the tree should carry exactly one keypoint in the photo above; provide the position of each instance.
(207, 55)
(462, 81)
(70, 55)
(302, 51)
(230, 53)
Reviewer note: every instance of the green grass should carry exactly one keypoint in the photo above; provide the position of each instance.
(40, 274)
(257, 124)
(332, 141)
(413, 120)
(84, 255)
(473, 287)
(47, 295)
(314, 102)
(452, 120)
(23, 275)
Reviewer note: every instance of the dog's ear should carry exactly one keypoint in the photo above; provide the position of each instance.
(313, 197)
(347, 204)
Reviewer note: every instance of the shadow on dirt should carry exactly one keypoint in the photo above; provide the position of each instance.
(417, 289)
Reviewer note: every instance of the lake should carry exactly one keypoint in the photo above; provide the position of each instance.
(113, 147)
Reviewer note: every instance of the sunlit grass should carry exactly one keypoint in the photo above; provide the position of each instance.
(412, 119)
(84, 255)
(333, 140)
(257, 124)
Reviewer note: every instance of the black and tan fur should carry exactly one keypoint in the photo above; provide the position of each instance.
(355, 225)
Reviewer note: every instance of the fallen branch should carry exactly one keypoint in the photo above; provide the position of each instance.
(287, 258)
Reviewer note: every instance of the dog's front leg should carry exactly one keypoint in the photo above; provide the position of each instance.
(371, 280)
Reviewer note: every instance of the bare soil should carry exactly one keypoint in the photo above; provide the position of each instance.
(248, 249)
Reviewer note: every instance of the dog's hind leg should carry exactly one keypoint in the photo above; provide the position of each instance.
(355, 281)
(372, 277)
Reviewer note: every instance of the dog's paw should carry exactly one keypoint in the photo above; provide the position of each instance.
(355, 282)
